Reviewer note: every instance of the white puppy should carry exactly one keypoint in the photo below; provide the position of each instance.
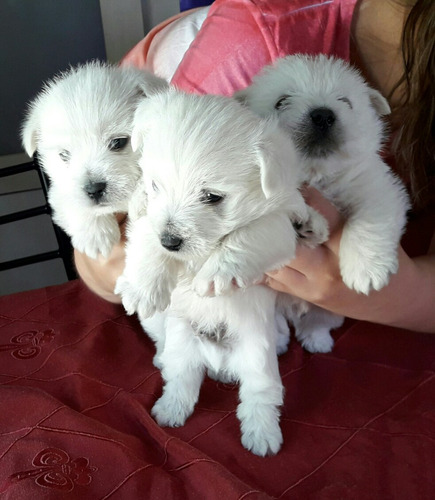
(333, 117)
(80, 125)
(222, 189)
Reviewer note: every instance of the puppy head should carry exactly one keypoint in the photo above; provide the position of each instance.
(80, 125)
(209, 168)
(324, 104)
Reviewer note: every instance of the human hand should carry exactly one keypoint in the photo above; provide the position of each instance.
(101, 274)
(314, 273)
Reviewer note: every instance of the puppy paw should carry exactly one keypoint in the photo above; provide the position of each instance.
(156, 300)
(139, 299)
(213, 285)
(210, 281)
(216, 279)
(203, 287)
(170, 411)
(99, 237)
(129, 294)
(364, 273)
(320, 341)
(312, 232)
(261, 433)
(262, 440)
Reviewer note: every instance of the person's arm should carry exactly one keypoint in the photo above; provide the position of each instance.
(406, 302)
(100, 274)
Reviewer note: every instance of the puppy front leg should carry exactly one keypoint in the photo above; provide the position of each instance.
(246, 254)
(97, 236)
(90, 233)
(149, 276)
(371, 234)
(312, 324)
(312, 231)
(182, 372)
(313, 329)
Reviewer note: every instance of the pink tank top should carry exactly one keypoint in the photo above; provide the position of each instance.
(239, 37)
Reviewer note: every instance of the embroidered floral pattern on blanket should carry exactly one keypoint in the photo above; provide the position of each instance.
(77, 385)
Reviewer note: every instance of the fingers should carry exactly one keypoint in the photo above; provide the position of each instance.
(285, 280)
(310, 275)
(310, 260)
(335, 221)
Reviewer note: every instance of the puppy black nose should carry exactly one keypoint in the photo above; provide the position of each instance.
(322, 118)
(95, 190)
(171, 242)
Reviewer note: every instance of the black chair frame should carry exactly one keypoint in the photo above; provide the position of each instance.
(64, 250)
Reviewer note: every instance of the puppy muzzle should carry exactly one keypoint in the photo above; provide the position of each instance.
(171, 242)
(318, 134)
(323, 119)
(96, 191)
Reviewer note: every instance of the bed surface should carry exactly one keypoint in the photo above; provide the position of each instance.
(77, 384)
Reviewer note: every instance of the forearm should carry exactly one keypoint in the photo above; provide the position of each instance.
(406, 302)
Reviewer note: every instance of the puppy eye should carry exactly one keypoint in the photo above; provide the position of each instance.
(210, 198)
(154, 186)
(118, 143)
(282, 101)
(346, 100)
(65, 155)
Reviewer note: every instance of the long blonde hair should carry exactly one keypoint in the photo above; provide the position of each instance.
(413, 118)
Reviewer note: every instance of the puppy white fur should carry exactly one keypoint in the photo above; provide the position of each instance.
(80, 125)
(333, 117)
(222, 191)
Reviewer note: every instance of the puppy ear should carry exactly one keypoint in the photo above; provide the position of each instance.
(269, 173)
(279, 164)
(29, 131)
(148, 83)
(136, 138)
(241, 96)
(379, 103)
(138, 201)
(140, 125)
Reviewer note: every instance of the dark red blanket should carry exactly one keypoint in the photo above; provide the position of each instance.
(77, 384)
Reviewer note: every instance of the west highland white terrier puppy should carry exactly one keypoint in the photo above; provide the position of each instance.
(333, 116)
(80, 125)
(222, 191)
(334, 119)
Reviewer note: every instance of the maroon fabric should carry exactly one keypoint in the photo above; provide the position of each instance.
(77, 384)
